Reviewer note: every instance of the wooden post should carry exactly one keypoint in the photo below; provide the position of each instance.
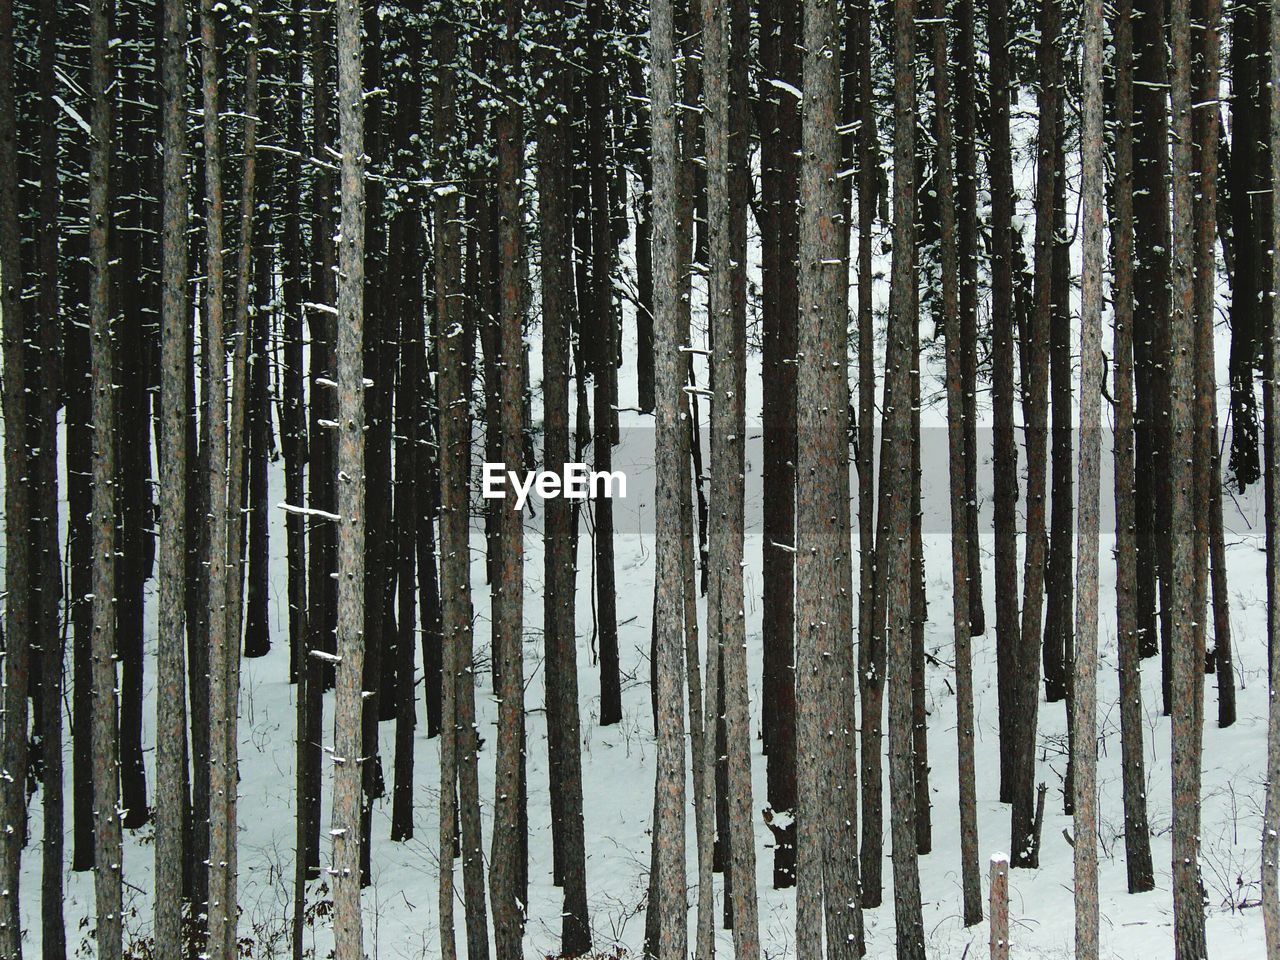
(1000, 907)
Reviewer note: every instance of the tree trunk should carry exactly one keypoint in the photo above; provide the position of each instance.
(1271, 413)
(563, 725)
(957, 341)
(1085, 682)
(1005, 452)
(175, 355)
(108, 853)
(349, 370)
(1246, 177)
(1137, 840)
(53, 930)
(1035, 386)
(897, 428)
(505, 867)
(669, 798)
(726, 631)
(780, 143)
(454, 432)
(220, 779)
(1151, 290)
(1187, 657)
(293, 414)
(19, 612)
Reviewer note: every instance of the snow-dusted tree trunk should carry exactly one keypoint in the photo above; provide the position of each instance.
(1137, 839)
(1085, 682)
(897, 469)
(825, 871)
(17, 498)
(1186, 690)
(1271, 810)
(563, 724)
(726, 630)
(454, 428)
(221, 778)
(48, 563)
(175, 355)
(1005, 451)
(669, 797)
(506, 869)
(236, 459)
(108, 853)
(779, 185)
(971, 878)
(349, 370)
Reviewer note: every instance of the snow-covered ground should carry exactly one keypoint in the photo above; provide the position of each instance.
(618, 771)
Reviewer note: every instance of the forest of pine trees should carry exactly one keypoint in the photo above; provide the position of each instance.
(936, 342)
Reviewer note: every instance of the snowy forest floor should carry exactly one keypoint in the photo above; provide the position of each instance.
(618, 772)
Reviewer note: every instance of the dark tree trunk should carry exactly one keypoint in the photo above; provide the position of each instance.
(1005, 454)
(1035, 376)
(1250, 112)
(1150, 333)
(1137, 840)
(780, 144)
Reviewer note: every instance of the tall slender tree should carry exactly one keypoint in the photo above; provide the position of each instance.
(960, 553)
(1271, 420)
(1187, 657)
(1005, 452)
(563, 724)
(349, 367)
(53, 934)
(107, 845)
(779, 182)
(1035, 391)
(453, 420)
(1084, 685)
(175, 353)
(726, 629)
(18, 606)
(669, 795)
(505, 866)
(1137, 840)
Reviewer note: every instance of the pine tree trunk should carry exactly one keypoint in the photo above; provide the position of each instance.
(1150, 335)
(506, 869)
(957, 342)
(1036, 387)
(19, 612)
(455, 435)
(349, 369)
(1248, 157)
(293, 414)
(53, 930)
(1005, 453)
(175, 355)
(1271, 414)
(726, 631)
(780, 142)
(106, 759)
(225, 758)
(897, 428)
(79, 431)
(563, 724)
(669, 798)
(221, 778)
(1187, 657)
(966, 166)
(1085, 682)
(1137, 840)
